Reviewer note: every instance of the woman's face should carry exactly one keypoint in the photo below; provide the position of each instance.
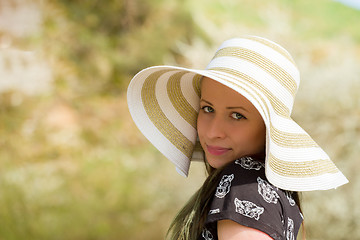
(229, 126)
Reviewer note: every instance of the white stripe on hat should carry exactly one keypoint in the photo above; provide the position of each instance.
(323, 182)
(297, 154)
(287, 125)
(257, 74)
(268, 52)
(189, 92)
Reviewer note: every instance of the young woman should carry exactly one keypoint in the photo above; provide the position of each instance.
(234, 116)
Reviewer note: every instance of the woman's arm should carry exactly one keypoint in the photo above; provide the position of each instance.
(230, 230)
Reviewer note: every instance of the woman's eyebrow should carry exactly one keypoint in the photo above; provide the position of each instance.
(203, 100)
(238, 108)
(230, 108)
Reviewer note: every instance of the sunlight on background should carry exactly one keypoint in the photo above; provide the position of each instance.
(72, 163)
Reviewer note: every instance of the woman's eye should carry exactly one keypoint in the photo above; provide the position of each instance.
(237, 116)
(208, 109)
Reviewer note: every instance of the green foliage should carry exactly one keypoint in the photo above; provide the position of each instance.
(324, 19)
(104, 44)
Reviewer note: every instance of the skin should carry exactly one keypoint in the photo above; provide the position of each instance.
(229, 127)
(230, 230)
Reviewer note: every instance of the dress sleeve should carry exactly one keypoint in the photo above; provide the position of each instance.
(243, 195)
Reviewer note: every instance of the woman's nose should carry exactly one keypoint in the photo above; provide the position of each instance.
(216, 128)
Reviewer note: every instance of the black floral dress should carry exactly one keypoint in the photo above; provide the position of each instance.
(245, 196)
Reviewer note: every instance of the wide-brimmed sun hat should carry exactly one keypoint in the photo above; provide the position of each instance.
(164, 103)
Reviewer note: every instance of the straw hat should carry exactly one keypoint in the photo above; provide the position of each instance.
(164, 104)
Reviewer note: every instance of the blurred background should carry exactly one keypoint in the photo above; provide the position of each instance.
(72, 163)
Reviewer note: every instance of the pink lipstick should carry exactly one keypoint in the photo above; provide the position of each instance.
(217, 151)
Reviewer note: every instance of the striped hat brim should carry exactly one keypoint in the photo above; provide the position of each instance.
(164, 103)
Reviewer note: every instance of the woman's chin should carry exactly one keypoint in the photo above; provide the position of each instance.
(217, 162)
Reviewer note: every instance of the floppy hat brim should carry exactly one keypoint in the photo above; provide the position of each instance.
(295, 161)
(164, 101)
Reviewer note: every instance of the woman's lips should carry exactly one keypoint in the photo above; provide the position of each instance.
(215, 150)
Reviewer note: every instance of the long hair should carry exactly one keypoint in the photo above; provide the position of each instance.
(189, 222)
(297, 198)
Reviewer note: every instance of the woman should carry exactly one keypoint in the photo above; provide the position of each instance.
(234, 116)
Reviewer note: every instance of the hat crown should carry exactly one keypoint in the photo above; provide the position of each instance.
(262, 64)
